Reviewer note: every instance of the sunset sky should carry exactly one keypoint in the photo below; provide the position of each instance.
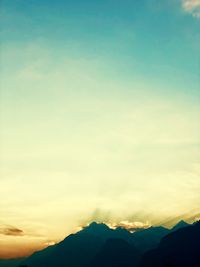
(99, 116)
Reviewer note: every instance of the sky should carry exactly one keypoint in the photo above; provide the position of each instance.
(99, 116)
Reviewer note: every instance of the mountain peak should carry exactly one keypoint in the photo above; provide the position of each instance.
(179, 225)
(94, 226)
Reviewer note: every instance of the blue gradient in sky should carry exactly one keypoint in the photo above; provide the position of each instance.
(148, 38)
(99, 111)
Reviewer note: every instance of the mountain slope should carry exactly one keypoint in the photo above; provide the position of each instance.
(116, 253)
(10, 263)
(98, 245)
(77, 250)
(180, 248)
(149, 238)
(179, 225)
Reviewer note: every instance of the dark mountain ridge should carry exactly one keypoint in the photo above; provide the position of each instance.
(116, 253)
(10, 262)
(97, 245)
(179, 225)
(149, 238)
(80, 249)
(180, 248)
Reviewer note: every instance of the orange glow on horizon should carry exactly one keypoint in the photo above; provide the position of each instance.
(11, 249)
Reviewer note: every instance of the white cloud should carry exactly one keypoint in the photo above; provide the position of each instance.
(192, 6)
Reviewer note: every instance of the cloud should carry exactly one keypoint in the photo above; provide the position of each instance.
(50, 243)
(192, 7)
(130, 226)
(11, 231)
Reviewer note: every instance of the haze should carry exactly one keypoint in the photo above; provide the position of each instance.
(99, 116)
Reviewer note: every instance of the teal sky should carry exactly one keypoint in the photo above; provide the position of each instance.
(99, 115)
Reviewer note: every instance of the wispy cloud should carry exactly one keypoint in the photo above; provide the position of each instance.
(192, 6)
(11, 231)
(130, 226)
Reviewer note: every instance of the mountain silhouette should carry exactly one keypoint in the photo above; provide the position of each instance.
(97, 245)
(80, 249)
(10, 262)
(179, 225)
(116, 253)
(149, 238)
(180, 248)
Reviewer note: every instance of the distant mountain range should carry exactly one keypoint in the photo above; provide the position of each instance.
(99, 246)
